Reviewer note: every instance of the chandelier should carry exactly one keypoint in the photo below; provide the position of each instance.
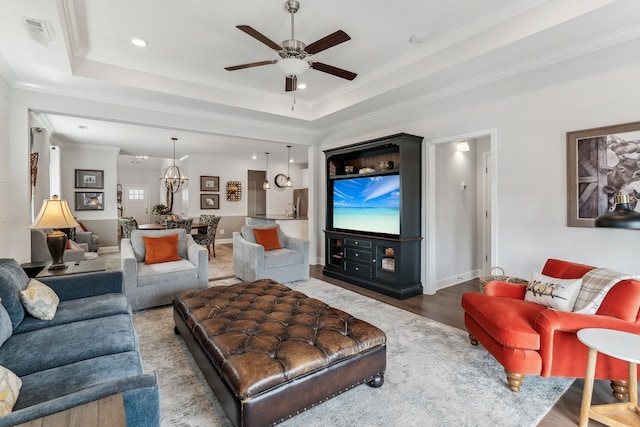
(174, 178)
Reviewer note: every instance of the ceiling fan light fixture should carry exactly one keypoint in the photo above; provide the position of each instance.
(292, 66)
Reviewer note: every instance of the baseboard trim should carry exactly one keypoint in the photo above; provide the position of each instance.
(457, 279)
(108, 249)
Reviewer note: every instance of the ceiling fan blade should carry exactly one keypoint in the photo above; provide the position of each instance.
(290, 84)
(330, 69)
(327, 42)
(249, 65)
(259, 36)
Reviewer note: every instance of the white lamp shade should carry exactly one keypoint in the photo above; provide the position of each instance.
(292, 66)
(55, 213)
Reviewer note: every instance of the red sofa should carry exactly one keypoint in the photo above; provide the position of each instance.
(531, 339)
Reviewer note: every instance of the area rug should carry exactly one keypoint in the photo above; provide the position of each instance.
(434, 376)
(222, 264)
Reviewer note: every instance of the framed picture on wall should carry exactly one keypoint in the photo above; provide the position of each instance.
(86, 178)
(86, 201)
(210, 183)
(209, 201)
(601, 162)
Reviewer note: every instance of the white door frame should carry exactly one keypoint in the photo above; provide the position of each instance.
(428, 275)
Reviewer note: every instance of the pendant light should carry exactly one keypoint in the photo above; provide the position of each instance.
(174, 178)
(620, 217)
(288, 183)
(265, 184)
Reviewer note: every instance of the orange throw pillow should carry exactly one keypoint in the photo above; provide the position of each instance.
(267, 237)
(161, 249)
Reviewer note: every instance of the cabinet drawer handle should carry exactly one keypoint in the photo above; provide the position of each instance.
(357, 255)
(357, 268)
(373, 261)
(356, 242)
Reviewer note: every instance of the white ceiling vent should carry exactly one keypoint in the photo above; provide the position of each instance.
(38, 29)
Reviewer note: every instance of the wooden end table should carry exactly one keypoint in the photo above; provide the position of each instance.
(621, 345)
(75, 267)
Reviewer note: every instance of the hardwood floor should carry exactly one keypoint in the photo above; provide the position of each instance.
(445, 307)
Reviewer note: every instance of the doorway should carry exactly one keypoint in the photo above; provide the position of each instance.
(257, 197)
(476, 236)
(136, 203)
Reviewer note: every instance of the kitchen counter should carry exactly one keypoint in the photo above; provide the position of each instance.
(297, 227)
(279, 217)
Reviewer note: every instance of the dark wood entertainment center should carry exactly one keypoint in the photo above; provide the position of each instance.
(386, 264)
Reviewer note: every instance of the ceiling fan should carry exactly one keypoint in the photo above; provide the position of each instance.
(293, 52)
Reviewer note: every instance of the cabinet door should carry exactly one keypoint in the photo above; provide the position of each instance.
(386, 255)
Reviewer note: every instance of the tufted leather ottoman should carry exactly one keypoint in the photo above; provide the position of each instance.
(269, 352)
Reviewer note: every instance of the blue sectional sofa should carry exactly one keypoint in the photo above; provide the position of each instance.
(88, 351)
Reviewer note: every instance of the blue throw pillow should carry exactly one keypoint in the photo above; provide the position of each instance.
(6, 328)
(12, 280)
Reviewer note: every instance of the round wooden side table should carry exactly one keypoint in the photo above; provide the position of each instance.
(621, 345)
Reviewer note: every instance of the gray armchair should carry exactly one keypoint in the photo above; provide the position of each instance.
(151, 285)
(40, 250)
(251, 262)
(92, 240)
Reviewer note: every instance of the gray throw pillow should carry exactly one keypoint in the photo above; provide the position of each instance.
(6, 328)
(13, 279)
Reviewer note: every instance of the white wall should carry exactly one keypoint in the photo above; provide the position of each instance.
(234, 169)
(456, 213)
(6, 250)
(532, 114)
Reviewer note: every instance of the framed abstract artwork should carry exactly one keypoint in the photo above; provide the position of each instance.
(86, 178)
(86, 201)
(601, 162)
(210, 183)
(209, 201)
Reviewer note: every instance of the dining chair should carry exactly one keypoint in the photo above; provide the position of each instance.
(180, 223)
(128, 224)
(208, 239)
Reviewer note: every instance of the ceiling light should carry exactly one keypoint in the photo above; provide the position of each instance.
(302, 85)
(254, 157)
(136, 41)
(462, 146)
(289, 183)
(417, 38)
(292, 66)
(265, 184)
(174, 178)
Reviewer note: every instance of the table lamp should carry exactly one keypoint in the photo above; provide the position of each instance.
(55, 214)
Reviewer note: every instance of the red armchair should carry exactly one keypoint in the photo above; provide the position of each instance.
(530, 339)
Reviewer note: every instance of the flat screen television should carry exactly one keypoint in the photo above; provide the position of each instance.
(368, 204)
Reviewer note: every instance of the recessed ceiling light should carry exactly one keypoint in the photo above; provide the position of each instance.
(254, 157)
(302, 86)
(136, 41)
(418, 38)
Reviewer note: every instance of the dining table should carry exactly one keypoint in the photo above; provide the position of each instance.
(198, 226)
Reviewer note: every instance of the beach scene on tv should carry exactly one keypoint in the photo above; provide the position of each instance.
(369, 204)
